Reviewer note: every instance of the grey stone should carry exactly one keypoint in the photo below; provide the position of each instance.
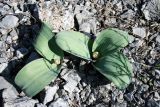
(129, 96)
(40, 105)
(156, 96)
(9, 40)
(123, 104)
(91, 99)
(20, 53)
(141, 32)
(151, 10)
(9, 94)
(3, 60)
(3, 67)
(9, 22)
(85, 93)
(4, 83)
(120, 98)
(14, 35)
(4, 31)
(68, 21)
(50, 92)
(72, 79)
(152, 103)
(158, 39)
(21, 102)
(59, 103)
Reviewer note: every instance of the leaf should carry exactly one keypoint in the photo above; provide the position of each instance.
(74, 42)
(109, 41)
(45, 44)
(116, 68)
(33, 77)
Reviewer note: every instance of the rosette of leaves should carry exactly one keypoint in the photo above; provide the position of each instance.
(34, 76)
(103, 52)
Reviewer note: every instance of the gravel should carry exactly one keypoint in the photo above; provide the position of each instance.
(77, 86)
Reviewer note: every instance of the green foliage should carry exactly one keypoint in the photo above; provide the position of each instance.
(45, 44)
(75, 43)
(33, 77)
(103, 53)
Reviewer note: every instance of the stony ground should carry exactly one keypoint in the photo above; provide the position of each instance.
(77, 86)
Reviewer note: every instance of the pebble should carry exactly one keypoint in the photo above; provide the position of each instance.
(141, 32)
(59, 103)
(9, 22)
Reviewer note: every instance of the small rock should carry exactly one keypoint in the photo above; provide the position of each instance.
(91, 99)
(123, 104)
(3, 66)
(152, 103)
(156, 96)
(85, 93)
(128, 96)
(9, 22)
(72, 79)
(14, 35)
(158, 39)
(50, 92)
(9, 40)
(3, 60)
(68, 21)
(21, 52)
(120, 98)
(59, 103)
(141, 32)
(40, 105)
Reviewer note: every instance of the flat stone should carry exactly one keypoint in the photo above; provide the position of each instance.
(59, 103)
(141, 32)
(9, 22)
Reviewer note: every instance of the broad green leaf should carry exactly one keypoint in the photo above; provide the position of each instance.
(33, 77)
(116, 68)
(45, 44)
(109, 41)
(75, 43)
